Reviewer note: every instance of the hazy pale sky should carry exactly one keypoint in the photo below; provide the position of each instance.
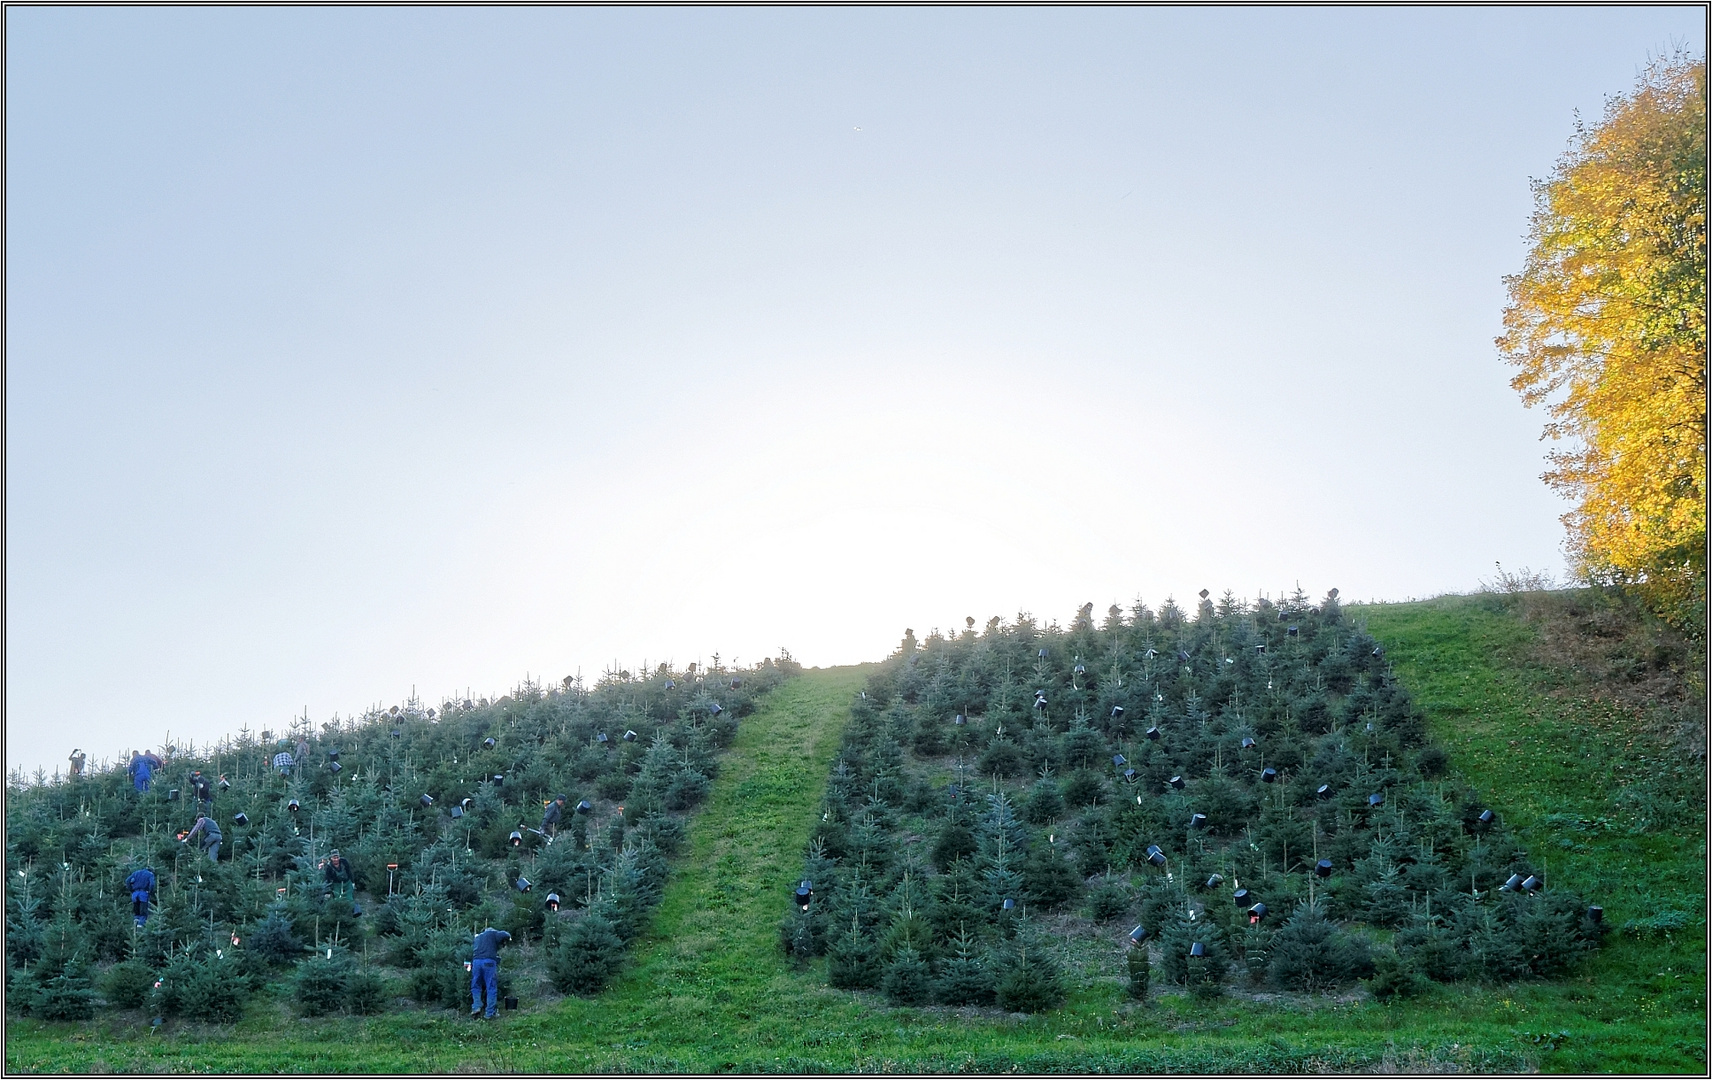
(356, 350)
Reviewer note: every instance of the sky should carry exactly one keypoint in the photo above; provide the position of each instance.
(357, 352)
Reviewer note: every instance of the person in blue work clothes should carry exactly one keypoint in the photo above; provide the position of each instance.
(142, 886)
(484, 971)
(142, 770)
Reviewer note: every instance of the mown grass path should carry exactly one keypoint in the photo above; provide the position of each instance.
(709, 989)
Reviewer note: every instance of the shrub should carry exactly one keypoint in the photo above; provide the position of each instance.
(854, 962)
(907, 980)
(1228, 805)
(1108, 900)
(1083, 789)
(365, 992)
(1175, 942)
(275, 938)
(1043, 804)
(956, 840)
(1428, 948)
(1433, 762)
(65, 996)
(586, 957)
(965, 979)
(1204, 977)
(664, 831)
(1490, 949)
(1395, 976)
(322, 986)
(440, 978)
(1388, 902)
(1553, 934)
(1310, 953)
(1001, 758)
(1029, 981)
(207, 989)
(126, 985)
(687, 788)
(1048, 879)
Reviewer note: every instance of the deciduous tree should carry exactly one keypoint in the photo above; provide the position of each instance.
(1607, 326)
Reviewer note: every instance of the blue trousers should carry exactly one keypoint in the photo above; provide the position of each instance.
(141, 781)
(484, 974)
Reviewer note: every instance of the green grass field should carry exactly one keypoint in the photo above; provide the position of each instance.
(1607, 809)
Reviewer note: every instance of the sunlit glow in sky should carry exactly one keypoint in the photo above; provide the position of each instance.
(351, 351)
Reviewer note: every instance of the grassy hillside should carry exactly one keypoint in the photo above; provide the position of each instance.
(1604, 801)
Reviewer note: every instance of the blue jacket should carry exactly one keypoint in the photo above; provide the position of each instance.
(488, 943)
(141, 881)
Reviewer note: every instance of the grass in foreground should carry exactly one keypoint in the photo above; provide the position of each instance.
(711, 991)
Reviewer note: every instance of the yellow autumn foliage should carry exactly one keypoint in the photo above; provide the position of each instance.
(1607, 324)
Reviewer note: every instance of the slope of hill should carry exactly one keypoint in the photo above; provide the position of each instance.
(444, 820)
(1602, 796)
